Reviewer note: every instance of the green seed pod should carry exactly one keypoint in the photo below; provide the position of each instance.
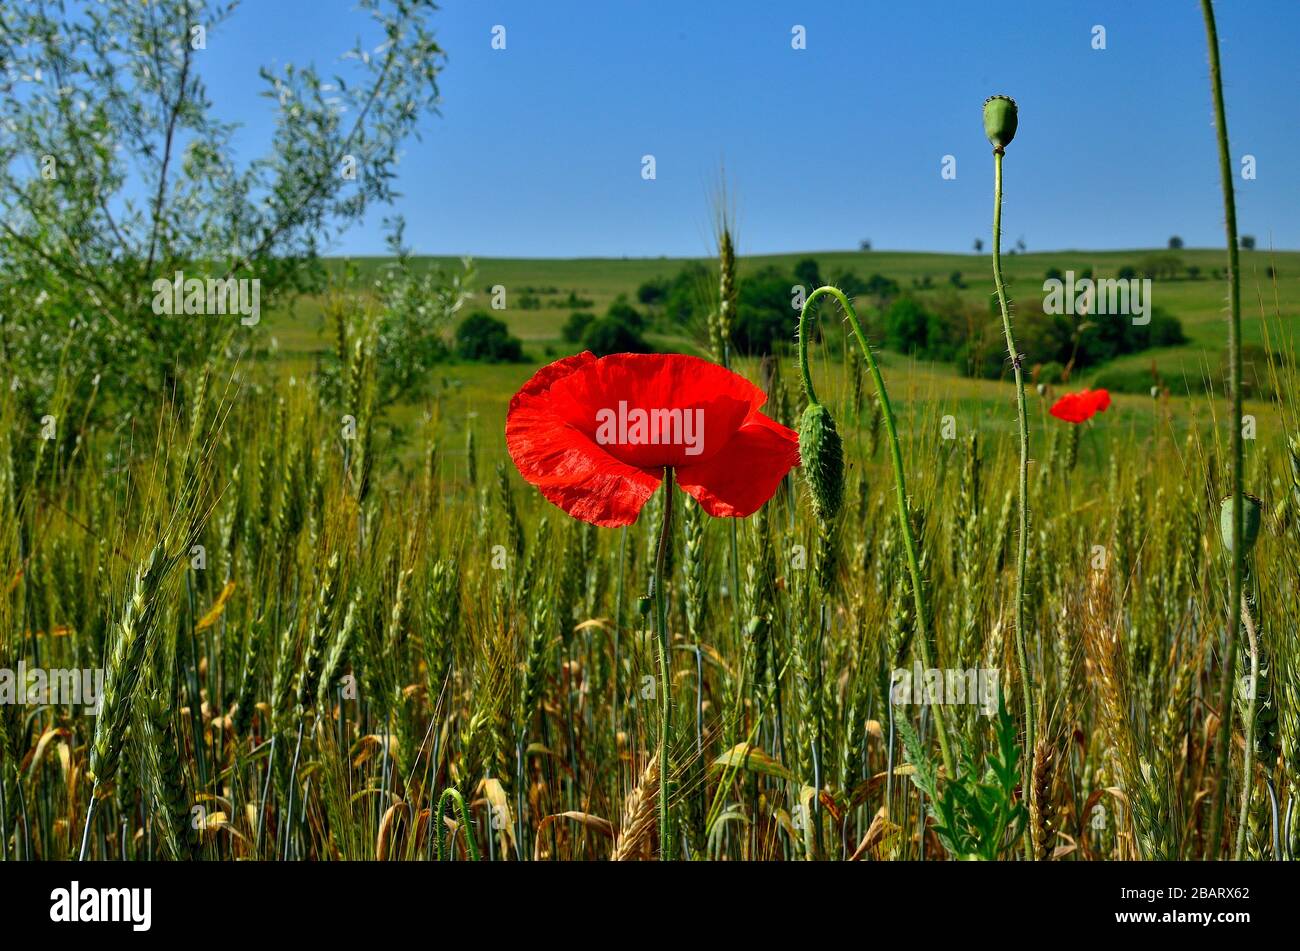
(1000, 120)
(822, 458)
(1249, 524)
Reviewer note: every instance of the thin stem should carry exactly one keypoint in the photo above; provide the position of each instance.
(900, 484)
(85, 835)
(1228, 672)
(1248, 765)
(665, 684)
(1022, 547)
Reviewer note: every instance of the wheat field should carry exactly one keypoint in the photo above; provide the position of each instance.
(312, 651)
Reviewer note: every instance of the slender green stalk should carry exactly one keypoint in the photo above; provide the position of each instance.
(1222, 747)
(665, 684)
(1022, 542)
(1248, 765)
(900, 485)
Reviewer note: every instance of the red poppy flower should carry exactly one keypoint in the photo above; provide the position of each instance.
(594, 435)
(1078, 407)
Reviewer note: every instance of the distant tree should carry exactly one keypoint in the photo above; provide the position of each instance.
(955, 279)
(622, 311)
(849, 282)
(576, 325)
(482, 337)
(653, 292)
(765, 318)
(686, 293)
(608, 335)
(1193, 272)
(1248, 242)
(907, 325)
(1020, 245)
(1175, 243)
(864, 244)
(1054, 274)
(883, 289)
(979, 245)
(1127, 273)
(807, 273)
(1168, 266)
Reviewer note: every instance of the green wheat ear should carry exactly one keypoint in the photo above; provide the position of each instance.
(822, 457)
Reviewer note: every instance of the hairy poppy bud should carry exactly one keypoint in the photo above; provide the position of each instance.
(1251, 510)
(1000, 120)
(822, 457)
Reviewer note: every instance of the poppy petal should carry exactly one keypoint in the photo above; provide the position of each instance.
(569, 469)
(541, 381)
(710, 402)
(1071, 408)
(746, 472)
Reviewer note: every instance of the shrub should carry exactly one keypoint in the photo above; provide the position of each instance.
(624, 312)
(849, 282)
(576, 325)
(484, 338)
(608, 335)
(807, 273)
(1050, 372)
(765, 319)
(653, 292)
(907, 326)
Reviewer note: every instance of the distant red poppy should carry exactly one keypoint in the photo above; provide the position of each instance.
(1078, 407)
(594, 435)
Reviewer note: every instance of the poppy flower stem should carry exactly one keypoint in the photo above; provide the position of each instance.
(900, 484)
(1022, 542)
(665, 683)
(1223, 746)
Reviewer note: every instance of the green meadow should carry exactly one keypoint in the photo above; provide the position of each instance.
(478, 391)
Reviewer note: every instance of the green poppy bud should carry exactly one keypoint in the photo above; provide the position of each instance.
(822, 457)
(1000, 120)
(1251, 511)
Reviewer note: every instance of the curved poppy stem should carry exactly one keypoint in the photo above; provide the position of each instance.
(900, 484)
(665, 683)
(1022, 546)
(440, 829)
(1223, 743)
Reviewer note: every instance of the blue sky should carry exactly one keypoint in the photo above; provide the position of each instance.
(538, 148)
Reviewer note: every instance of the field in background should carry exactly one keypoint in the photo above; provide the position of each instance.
(481, 392)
